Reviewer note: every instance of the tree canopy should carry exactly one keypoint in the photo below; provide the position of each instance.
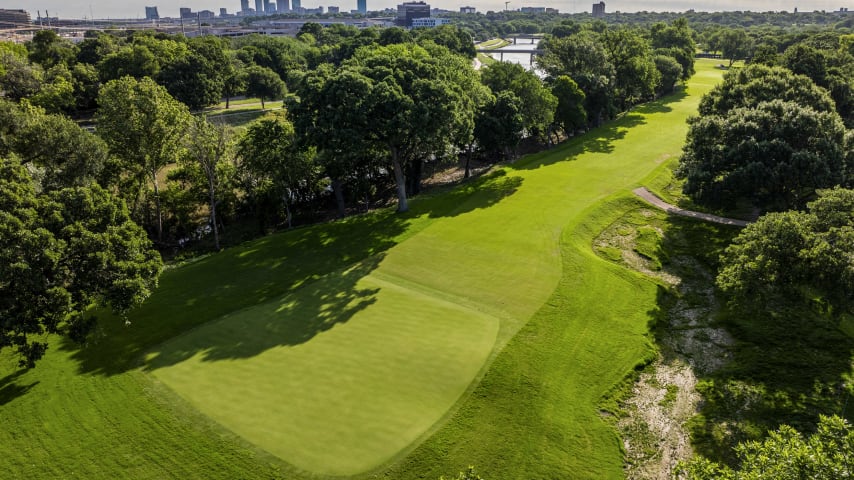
(786, 454)
(776, 155)
(62, 252)
(795, 254)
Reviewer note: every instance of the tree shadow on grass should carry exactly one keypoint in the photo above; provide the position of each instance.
(255, 273)
(10, 389)
(476, 193)
(601, 139)
(267, 270)
(786, 363)
(292, 320)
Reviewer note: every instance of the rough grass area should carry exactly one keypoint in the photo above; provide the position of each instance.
(503, 261)
(681, 255)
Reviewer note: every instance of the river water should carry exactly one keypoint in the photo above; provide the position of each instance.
(523, 59)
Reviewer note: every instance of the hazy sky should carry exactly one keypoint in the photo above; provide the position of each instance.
(169, 8)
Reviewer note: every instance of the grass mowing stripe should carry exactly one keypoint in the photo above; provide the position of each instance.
(150, 434)
(350, 397)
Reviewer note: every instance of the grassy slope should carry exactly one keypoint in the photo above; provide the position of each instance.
(535, 413)
(551, 428)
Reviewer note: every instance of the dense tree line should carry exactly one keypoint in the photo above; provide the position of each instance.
(772, 135)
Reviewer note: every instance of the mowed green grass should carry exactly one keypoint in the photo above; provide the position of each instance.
(500, 269)
(341, 400)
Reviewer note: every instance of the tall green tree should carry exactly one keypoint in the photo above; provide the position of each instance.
(418, 105)
(584, 59)
(636, 76)
(333, 115)
(793, 254)
(58, 152)
(776, 155)
(500, 124)
(48, 49)
(569, 113)
(60, 254)
(747, 87)
(264, 83)
(275, 170)
(537, 102)
(144, 126)
(211, 151)
(734, 44)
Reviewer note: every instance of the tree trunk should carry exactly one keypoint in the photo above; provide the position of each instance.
(212, 191)
(289, 217)
(262, 104)
(414, 180)
(399, 181)
(468, 161)
(157, 207)
(227, 102)
(338, 190)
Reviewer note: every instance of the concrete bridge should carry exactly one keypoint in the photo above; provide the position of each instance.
(523, 38)
(502, 51)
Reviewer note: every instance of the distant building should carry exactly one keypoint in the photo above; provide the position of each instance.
(296, 5)
(362, 6)
(259, 6)
(151, 13)
(333, 10)
(599, 9)
(206, 15)
(468, 10)
(429, 22)
(186, 12)
(244, 6)
(283, 6)
(409, 11)
(223, 12)
(13, 18)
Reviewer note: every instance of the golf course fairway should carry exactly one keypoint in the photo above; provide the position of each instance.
(477, 329)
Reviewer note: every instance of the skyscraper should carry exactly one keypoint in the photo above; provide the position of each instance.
(151, 13)
(259, 6)
(362, 6)
(244, 6)
(295, 5)
(282, 6)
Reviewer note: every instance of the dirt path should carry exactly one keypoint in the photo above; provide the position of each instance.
(650, 197)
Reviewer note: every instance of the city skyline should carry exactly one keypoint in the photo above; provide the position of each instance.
(136, 8)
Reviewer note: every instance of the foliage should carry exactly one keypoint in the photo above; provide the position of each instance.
(18, 78)
(500, 125)
(58, 152)
(583, 58)
(62, 252)
(792, 254)
(537, 104)
(569, 113)
(669, 71)
(749, 86)
(143, 126)
(264, 83)
(786, 454)
(420, 103)
(734, 44)
(209, 165)
(776, 155)
(275, 172)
